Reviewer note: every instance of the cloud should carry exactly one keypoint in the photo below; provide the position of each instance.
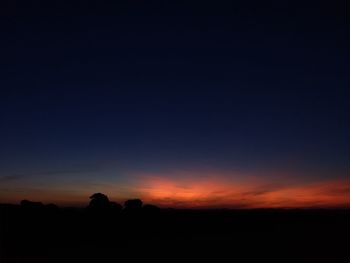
(10, 178)
(251, 192)
(17, 176)
(54, 172)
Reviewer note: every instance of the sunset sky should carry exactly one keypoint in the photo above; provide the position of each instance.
(182, 105)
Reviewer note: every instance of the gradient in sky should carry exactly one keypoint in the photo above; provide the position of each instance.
(182, 105)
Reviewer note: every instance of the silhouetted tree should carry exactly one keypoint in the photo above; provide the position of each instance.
(133, 205)
(99, 202)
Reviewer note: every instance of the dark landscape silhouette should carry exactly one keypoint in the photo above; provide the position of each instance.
(106, 231)
(174, 131)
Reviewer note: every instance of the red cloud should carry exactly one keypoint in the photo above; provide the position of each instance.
(251, 193)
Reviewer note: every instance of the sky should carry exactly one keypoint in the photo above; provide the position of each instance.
(191, 105)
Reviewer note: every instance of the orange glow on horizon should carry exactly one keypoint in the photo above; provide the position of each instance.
(250, 194)
(198, 190)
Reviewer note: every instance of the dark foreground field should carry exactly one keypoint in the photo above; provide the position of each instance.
(73, 235)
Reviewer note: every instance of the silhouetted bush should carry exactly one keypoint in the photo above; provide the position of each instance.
(52, 208)
(29, 205)
(150, 209)
(133, 205)
(115, 207)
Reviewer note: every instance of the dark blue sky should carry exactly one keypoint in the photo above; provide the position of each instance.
(148, 87)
